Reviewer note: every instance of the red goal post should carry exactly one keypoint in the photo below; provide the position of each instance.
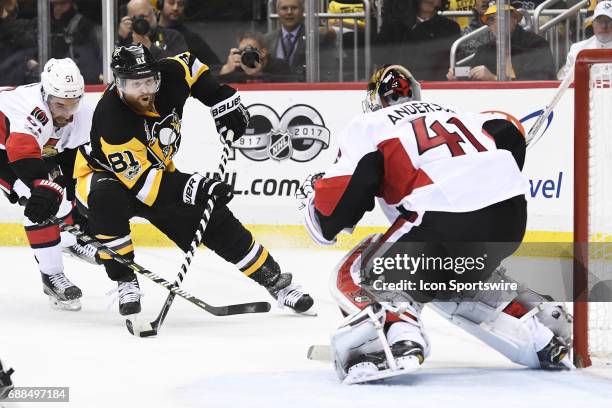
(592, 204)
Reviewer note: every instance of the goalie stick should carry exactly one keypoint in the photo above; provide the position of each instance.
(532, 136)
(319, 352)
(241, 308)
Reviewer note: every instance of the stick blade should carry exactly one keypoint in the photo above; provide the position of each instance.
(242, 308)
(319, 352)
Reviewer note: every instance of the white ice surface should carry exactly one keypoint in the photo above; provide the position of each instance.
(199, 360)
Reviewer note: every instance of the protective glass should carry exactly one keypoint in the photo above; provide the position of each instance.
(140, 86)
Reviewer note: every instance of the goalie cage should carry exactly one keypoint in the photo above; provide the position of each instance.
(593, 208)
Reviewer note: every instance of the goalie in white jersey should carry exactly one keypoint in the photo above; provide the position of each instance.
(449, 182)
(41, 125)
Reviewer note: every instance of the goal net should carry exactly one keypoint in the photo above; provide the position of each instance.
(593, 208)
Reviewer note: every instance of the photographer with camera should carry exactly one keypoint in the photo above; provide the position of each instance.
(140, 26)
(251, 62)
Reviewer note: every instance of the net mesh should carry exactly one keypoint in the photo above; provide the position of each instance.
(600, 211)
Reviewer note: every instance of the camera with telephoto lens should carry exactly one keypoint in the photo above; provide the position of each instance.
(249, 56)
(140, 25)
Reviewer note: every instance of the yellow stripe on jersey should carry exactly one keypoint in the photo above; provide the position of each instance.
(128, 160)
(82, 189)
(193, 67)
(149, 190)
(81, 167)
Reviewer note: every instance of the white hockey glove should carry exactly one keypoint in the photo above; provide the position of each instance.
(231, 117)
(306, 190)
(305, 196)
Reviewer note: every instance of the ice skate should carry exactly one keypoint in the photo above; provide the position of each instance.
(63, 294)
(86, 252)
(129, 297)
(407, 355)
(289, 294)
(555, 356)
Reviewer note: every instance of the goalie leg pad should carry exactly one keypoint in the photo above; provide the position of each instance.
(357, 335)
(518, 337)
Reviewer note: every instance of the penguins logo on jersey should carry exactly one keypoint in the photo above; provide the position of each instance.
(167, 133)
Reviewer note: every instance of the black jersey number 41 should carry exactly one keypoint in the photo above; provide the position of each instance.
(443, 137)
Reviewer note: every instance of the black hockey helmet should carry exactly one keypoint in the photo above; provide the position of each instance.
(133, 62)
(392, 84)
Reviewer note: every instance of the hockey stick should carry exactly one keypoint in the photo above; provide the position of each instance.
(531, 137)
(253, 307)
(152, 328)
(319, 352)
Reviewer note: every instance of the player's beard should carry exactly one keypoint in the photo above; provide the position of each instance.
(142, 103)
(61, 121)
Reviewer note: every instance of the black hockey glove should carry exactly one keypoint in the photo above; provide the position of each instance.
(231, 117)
(199, 189)
(45, 200)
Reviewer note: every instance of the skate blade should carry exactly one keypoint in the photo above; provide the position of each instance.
(309, 313)
(69, 305)
(406, 367)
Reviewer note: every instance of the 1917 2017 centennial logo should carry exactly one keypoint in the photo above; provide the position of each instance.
(298, 134)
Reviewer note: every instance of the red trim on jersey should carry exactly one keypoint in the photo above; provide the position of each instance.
(401, 177)
(42, 236)
(3, 130)
(22, 146)
(328, 192)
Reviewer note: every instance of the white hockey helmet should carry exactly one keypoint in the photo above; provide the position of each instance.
(61, 78)
(390, 85)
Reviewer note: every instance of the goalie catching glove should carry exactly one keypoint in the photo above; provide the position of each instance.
(199, 189)
(45, 200)
(231, 117)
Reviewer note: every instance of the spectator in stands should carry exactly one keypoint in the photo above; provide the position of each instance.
(470, 46)
(172, 15)
(140, 26)
(602, 28)
(289, 41)
(530, 58)
(252, 62)
(462, 5)
(422, 47)
(18, 46)
(74, 36)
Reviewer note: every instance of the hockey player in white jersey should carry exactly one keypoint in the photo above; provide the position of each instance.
(41, 125)
(445, 179)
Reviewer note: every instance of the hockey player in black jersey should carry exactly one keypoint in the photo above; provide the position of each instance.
(128, 171)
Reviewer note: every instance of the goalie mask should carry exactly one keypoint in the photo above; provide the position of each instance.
(391, 85)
